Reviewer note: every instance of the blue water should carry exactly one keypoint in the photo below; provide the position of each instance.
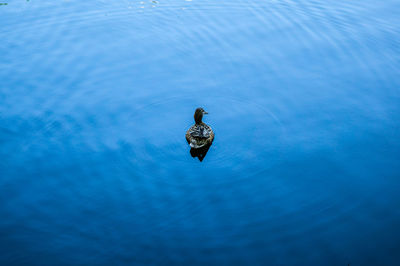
(303, 97)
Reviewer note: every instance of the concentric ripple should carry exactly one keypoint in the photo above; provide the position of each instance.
(158, 131)
(96, 97)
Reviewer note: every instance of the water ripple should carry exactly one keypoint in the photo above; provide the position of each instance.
(96, 98)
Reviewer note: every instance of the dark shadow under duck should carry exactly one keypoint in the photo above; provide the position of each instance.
(200, 153)
(199, 136)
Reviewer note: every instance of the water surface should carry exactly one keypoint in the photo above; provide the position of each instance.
(303, 97)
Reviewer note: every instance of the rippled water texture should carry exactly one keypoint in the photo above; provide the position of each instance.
(303, 96)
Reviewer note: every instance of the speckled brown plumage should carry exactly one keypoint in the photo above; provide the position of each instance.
(200, 134)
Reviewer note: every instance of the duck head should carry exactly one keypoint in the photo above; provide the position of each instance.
(198, 115)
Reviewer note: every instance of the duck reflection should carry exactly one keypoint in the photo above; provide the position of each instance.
(199, 136)
(200, 153)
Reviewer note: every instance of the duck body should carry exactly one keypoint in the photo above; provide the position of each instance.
(200, 134)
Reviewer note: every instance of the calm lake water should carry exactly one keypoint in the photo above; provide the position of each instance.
(303, 97)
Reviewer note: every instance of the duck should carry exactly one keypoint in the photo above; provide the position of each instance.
(200, 134)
